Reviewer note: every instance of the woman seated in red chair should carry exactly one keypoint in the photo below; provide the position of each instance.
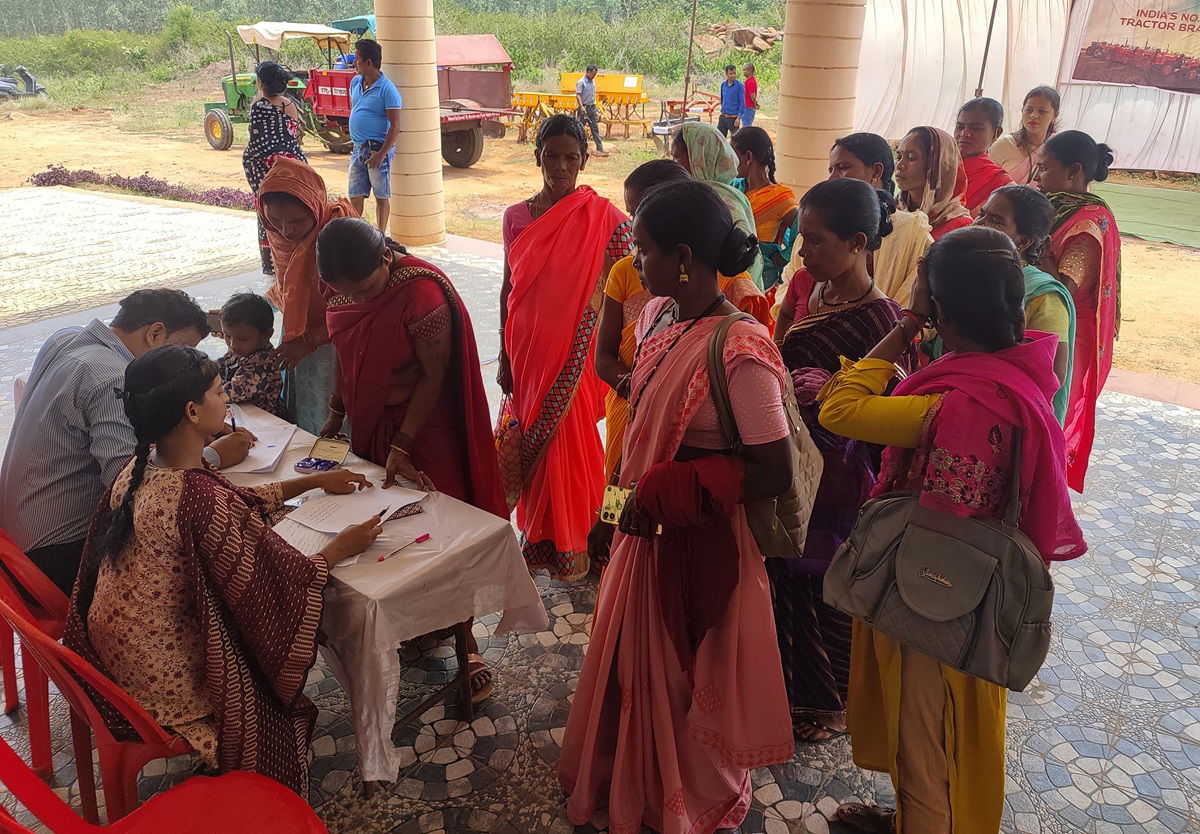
(187, 598)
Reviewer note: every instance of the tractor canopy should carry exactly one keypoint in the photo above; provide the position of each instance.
(272, 34)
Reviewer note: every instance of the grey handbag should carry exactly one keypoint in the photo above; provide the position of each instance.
(973, 593)
(780, 524)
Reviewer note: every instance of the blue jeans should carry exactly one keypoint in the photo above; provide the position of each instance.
(363, 180)
(748, 114)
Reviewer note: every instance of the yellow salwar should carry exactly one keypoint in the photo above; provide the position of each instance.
(939, 736)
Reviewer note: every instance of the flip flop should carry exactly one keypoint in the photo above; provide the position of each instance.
(871, 819)
(477, 666)
(833, 734)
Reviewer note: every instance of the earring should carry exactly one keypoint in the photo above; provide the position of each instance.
(683, 276)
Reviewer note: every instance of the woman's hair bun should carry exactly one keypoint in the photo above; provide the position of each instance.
(738, 252)
(887, 207)
(1103, 162)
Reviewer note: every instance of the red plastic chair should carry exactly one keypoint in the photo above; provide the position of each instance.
(120, 761)
(233, 803)
(50, 615)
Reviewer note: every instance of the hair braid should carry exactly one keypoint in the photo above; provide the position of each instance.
(122, 520)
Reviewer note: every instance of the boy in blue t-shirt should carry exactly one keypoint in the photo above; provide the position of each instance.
(733, 99)
(374, 125)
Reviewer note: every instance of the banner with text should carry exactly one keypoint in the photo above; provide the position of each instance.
(1150, 43)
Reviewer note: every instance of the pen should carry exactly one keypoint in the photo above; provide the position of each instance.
(424, 537)
(381, 513)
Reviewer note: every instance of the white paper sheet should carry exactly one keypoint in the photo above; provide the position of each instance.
(333, 513)
(304, 539)
(255, 419)
(264, 455)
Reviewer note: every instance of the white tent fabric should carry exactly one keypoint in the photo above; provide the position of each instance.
(272, 34)
(920, 61)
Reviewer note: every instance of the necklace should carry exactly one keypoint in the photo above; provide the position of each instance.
(821, 302)
(531, 204)
(717, 302)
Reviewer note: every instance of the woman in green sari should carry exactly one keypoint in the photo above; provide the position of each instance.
(702, 151)
(1025, 214)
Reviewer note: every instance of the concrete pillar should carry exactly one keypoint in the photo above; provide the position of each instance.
(405, 32)
(819, 80)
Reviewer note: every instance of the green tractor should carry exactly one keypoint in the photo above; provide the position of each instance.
(240, 88)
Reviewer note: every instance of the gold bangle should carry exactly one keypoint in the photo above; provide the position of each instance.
(401, 450)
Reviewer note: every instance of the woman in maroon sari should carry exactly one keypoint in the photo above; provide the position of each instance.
(841, 221)
(408, 374)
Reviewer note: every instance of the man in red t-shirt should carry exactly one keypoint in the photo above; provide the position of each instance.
(750, 108)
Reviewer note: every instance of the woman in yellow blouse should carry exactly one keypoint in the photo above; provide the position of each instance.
(624, 298)
(949, 430)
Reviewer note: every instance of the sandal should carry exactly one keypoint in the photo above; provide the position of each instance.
(479, 670)
(871, 819)
(800, 725)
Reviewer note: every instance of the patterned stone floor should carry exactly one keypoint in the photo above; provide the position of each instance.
(1105, 741)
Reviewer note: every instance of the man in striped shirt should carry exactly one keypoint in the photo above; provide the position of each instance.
(71, 438)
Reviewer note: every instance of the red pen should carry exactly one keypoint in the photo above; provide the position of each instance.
(424, 537)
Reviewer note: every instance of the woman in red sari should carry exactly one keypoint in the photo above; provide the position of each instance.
(681, 693)
(559, 246)
(1085, 254)
(931, 179)
(408, 375)
(980, 123)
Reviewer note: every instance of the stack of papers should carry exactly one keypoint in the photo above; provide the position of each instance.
(333, 513)
(264, 455)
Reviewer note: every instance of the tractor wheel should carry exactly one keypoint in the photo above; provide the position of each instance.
(462, 148)
(218, 129)
(335, 135)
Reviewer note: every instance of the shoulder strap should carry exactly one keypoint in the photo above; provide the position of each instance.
(717, 381)
(1012, 514)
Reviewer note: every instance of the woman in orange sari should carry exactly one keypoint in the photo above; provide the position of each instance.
(1085, 254)
(408, 376)
(681, 692)
(559, 246)
(293, 207)
(931, 179)
(775, 206)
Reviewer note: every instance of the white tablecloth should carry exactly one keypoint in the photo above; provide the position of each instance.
(471, 566)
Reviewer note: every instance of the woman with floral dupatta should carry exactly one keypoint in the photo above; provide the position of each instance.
(408, 376)
(1085, 254)
(664, 729)
(559, 246)
(702, 151)
(949, 431)
(841, 222)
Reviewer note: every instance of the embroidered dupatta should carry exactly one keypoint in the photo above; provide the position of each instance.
(963, 463)
(364, 334)
(258, 605)
(1098, 319)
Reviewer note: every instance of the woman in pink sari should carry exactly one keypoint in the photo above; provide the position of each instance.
(681, 693)
(408, 375)
(558, 248)
(1085, 254)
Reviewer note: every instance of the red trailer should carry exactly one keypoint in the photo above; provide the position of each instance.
(472, 99)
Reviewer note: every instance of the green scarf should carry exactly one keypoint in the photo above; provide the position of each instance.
(1038, 283)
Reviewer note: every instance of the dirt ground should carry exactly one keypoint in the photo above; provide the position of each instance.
(1160, 331)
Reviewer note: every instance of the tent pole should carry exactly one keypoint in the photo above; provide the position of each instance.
(987, 46)
(687, 75)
